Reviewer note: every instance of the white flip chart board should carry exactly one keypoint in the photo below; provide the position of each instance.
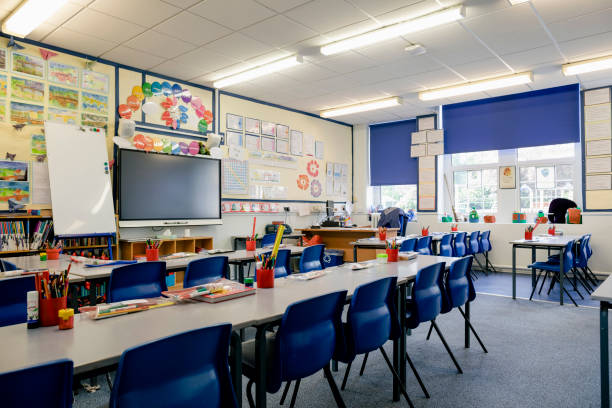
(81, 190)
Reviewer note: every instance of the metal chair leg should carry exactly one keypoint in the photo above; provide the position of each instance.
(570, 296)
(346, 374)
(543, 281)
(295, 392)
(418, 377)
(108, 380)
(334, 387)
(402, 388)
(250, 394)
(552, 284)
(532, 289)
(448, 350)
(473, 330)
(363, 364)
(285, 391)
(430, 329)
(573, 283)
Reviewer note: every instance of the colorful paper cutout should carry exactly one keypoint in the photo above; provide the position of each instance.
(303, 181)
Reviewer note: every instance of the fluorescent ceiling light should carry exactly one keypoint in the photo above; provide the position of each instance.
(416, 49)
(362, 107)
(29, 15)
(477, 86)
(395, 30)
(259, 71)
(581, 67)
(514, 2)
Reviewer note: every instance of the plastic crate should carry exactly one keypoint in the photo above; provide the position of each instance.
(333, 257)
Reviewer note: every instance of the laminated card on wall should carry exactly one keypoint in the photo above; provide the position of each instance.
(418, 150)
(419, 137)
(435, 136)
(597, 96)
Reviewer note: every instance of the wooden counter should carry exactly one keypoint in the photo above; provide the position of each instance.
(340, 238)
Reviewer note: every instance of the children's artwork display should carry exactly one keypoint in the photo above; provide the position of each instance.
(282, 132)
(296, 142)
(17, 190)
(27, 90)
(2, 110)
(268, 144)
(13, 170)
(3, 86)
(63, 74)
(268, 128)
(63, 97)
(62, 116)
(234, 122)
(252, 143)
(94, 103)
(3, 59)
(233, 138)
(27, 113)
(282, 146)
(94, 81)
(252, 125)
(39, 145)
(28, 64)
(87, 119)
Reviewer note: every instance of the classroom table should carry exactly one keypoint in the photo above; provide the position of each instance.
(541, 242)
(22, 347)
(241, 239)
(375, 243)
(604, 295)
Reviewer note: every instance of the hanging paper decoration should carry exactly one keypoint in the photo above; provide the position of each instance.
(148, 141)
(177, 90)
(124, 111)
(167, 146)
(150, 108)
(46, 54)
(315, 188)
(313, 168)
(176, 148)
(156, 88)
(194, 148)
(208, 116)
(137, 92)
(186, 96)
(157, 144)
(196, 102)
(146, 90)
(172, 114)
(184, 147)
(202, 126)
(302, 181)
(139, 141)
(166, 88)
(133, 103)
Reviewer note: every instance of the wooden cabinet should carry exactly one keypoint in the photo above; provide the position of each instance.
(132, 248)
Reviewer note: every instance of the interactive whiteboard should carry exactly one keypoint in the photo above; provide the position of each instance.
(79, 176)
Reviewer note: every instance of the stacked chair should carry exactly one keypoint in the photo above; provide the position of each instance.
(552, 268)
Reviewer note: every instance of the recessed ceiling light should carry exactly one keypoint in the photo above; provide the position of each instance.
(395, 30)
(362, 107)
(477, 86)
(591, 65)
(29, 15)
(415, 49)
(514, 2)
(259, 71)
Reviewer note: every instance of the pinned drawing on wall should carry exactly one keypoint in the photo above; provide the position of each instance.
(94, 81)
(2, 110)
(38, 145)
(28, 90)
(233, 122)
(63, 97)
(303, 182)
(17, 190)
(252, 143)
(315, 188)
(95, 121)
(46, 54)
(13, 170)
(296, 142)
(3, 85)
(62, 116)
(3, 58)
(319, 147)
(282, 132)
(312, 168)
(268, 128)
(233, 138)
(95, 103)
(27, 114)
(268, 144)
(282, 146)
(28, 64)
(252, 125)
(308, 145)
(507, 177)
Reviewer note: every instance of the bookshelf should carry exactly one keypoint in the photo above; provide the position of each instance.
(132, 248)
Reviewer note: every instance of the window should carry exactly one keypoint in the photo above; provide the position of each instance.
(472, 158)
(552, 152)
(476, 189)
(402, 196)
(540, 184)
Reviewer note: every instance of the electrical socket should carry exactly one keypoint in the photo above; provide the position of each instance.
(287, 209)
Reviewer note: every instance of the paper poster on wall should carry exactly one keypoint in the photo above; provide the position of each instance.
(597, 96)
(233, 138)
(17, 190)
(296, 142)
(428, 122)
(63, 74)
(282, 146)
(252, 143)
(427, 175)
(419, 137)
(64, 98)
(94, 81)
(3, 58)
(38, 145)
(93, 103)
(427, 189)
(265, 176)
(598, 130)
(268, 128)
(233, 122)
(435, 149)
(319, 149)
(594, 113)
(418, 150)
(598, 147)
(41, 191)
(601, 182)
(268, 144)
(27, 113)
(308, 145)
(252, 125)
(95, 121)
(28, 64)
(2, 110)
(235, 176)
(3, 86)
(28, 90)
(598, 165)
(13, 170)
(282, 132)
(434, 136)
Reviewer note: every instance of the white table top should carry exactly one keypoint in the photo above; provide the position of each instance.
(93, 344)
(548, 241)
(604, 292)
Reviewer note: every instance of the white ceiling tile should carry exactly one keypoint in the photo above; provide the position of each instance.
(238, 46)
(372, 75)
(64, 13)
(106, 27)
(281, 6)
(435, 79)
(182, 3)
(377, 116)
(319, 103)
(411, 65)
(192, 28)
(596, 84)
(159, 44)
(143, 12)
(355, 119)
(346, 62)
(308, 72)
(409, 12)
(178, 70)
(81, 2)
(398, 86)
(326, 15)
(482, 69)
(74, 41)
(555, 10)
(588, 47)
(510, 30)
(278, 31)
(131, 57)
(235, 14)
(475, 8)
(337, 83)
(584, 26)
(41, 31)
(379, 7)
(205, 60)
(364, 94)
(524, 60)
(387, 51)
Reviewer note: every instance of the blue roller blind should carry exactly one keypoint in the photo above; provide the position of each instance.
(390, 161)
(536, 118)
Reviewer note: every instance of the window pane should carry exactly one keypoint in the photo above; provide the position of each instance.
(486, 157)
(545, 177)
(489, 177)
(402, 196)
(560, 151)
(527, 174)
(564, 172)
(474, 179)
(461, 177)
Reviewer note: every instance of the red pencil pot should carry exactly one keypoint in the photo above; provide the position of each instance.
(454, 229)
(53, 254)
(528, 235)
(382, 236)
(49, 309)
(551, 231)
(392, 254)
(152, 254)
(250, 244)
(265, 278)
(424, 232)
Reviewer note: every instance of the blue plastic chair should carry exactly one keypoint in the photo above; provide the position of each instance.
(473, 248)
(309, 333)
(282, 267)
(408, 245)
(589, 252)
(423, 245)
(136, 281)
(43, 385)
(205, 270)
(459, 249)
(554, 270)
(445, 245)
(426, 302)
(268, 240)
(371, 321)
(8, 266)
(485, 247)
(13, 299)
(312, 258)
(403, 225)
(189, 369)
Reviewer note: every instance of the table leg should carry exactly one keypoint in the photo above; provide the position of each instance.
(260, 367)
(241, 272)
(467, 326)
(236, 365)
(513, 272)
(533, 273)
(561, 274)
(354, 253)
(402, 342)
(604, 356)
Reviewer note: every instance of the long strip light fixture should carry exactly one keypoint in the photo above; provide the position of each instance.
(259, 71)
(29, 15)
(590, 65)
(395, 30)
(362, 107)
(477, 86)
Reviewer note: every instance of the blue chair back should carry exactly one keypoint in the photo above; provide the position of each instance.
(282, 267)
(135, 281)
(8, 266)
(268, 240)
(43, 385)
(459, 249)
(473, 247)
(408, 245)
(13, 299)
(403, 224)
(568, 256)
(582, 257)
(205, 270)
(485, 242)
(309, 333)
(426, 301)
(589, 249)
(312, 258)
(194, 373)
(424, 245)
(445, 245)
(458, 282)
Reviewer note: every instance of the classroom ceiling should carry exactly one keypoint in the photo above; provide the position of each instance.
(200, 41)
